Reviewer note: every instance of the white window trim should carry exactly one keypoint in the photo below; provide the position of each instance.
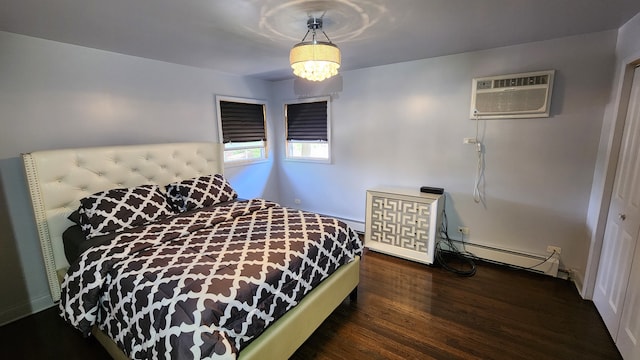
(235, 163)
(287, 157)
(244, 162)
(265, 158)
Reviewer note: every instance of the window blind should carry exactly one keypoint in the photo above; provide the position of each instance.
(242, 122)
(307, 121)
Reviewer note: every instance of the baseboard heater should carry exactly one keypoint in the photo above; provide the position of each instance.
(532, 262)
(493, 254)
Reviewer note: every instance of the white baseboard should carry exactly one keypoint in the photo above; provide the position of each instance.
(25, 309)
(354, 224)
(578, 280)
(533, 262)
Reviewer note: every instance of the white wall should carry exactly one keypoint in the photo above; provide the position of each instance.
(398, 124)
(403, 124)
(55, 95)
(627, 51)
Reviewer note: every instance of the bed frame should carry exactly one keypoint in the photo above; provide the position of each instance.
(58, 179)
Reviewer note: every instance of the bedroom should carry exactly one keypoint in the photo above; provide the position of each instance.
(399, 124)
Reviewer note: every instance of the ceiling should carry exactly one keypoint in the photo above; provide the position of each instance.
(253, 37)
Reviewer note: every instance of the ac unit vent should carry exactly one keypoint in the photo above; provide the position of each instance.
(526, 95)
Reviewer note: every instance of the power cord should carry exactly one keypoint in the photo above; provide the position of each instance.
(477, 194)
(441, 252)
(515, 267)
(465, 256)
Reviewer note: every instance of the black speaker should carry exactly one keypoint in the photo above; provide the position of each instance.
(432, 190)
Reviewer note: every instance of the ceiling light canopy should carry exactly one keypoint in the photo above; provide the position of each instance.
(315, 60)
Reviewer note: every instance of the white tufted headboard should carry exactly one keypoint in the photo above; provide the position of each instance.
(58, 179)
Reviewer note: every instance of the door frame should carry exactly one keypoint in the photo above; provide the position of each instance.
(621, 104)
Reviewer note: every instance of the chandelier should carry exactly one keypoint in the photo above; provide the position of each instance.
(315, 60)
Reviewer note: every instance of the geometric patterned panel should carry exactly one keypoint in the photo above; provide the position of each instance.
(400, 223)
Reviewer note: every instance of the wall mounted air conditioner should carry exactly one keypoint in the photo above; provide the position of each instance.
(525, 95)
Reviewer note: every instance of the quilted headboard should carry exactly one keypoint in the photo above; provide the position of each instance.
(58, 179)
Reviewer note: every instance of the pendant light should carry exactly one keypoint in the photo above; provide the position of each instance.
(315, 60)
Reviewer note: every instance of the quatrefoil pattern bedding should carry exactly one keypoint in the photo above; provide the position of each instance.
(200, 192)
(110, 211)
(203, 284)
(114, 210)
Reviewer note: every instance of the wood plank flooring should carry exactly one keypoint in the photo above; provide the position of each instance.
(405, 310)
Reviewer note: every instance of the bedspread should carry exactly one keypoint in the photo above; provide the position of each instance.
(204, 284)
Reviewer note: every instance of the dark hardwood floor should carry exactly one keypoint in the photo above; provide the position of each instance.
(405, 310)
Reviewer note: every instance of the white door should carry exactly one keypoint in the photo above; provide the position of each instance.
(629, 332)
(623, 224)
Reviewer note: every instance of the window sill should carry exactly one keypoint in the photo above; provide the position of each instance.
(244, 162)
(309, 160)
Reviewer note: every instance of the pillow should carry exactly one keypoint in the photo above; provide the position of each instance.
(75, 216)
(199, 192)
(114, 210)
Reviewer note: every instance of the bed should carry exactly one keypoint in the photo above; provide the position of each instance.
(156, 275)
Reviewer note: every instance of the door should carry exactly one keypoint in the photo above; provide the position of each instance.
(629, 331)
(623, 225)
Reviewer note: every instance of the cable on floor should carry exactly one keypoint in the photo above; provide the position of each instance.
(445, 248)
(516, 267)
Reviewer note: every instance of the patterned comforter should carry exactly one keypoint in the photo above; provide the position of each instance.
(204, 284)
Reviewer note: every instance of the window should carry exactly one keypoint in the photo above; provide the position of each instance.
(242, 129)
(307, 130)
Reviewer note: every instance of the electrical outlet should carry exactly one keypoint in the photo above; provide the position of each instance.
(551, 248)
(297, 201)
(463, 230)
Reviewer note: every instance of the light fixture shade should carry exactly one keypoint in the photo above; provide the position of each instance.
(315, 61)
